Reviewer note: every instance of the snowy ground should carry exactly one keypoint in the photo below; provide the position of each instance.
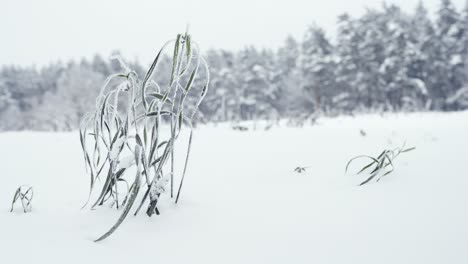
(242, 202)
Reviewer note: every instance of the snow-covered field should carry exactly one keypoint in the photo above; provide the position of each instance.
(242, 202)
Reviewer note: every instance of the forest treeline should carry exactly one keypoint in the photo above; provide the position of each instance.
(385, 60)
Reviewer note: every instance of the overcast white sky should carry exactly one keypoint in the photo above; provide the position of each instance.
(41, 31)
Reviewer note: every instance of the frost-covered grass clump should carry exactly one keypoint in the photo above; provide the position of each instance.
(379, 166)
(133, 130)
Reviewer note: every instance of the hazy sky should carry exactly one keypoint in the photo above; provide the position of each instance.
(41, 31)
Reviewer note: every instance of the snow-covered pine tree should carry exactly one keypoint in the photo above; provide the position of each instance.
(287, 62)
(421, 34)
(371, 49)
(220, 105)
(99, 65)
(361, 52)
(63, 109)
(402, 91)
(253, 97)
(274, 90)
(458, 99)
(446, 62)
(348, 61)
(463, 33)
(317, 69)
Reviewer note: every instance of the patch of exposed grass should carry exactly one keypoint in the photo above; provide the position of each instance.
(379, 166)
(25, 194)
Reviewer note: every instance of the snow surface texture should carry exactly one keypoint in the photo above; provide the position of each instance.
(243, 203)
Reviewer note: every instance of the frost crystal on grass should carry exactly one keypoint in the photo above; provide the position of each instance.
(126, 162)
(160, 187)
(116, 148)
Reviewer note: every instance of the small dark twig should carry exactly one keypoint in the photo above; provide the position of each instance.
(301, 169)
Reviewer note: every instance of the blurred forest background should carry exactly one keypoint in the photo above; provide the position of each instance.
(386, 60)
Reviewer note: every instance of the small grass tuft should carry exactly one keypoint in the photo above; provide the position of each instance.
(24, 193)
(379, 166)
